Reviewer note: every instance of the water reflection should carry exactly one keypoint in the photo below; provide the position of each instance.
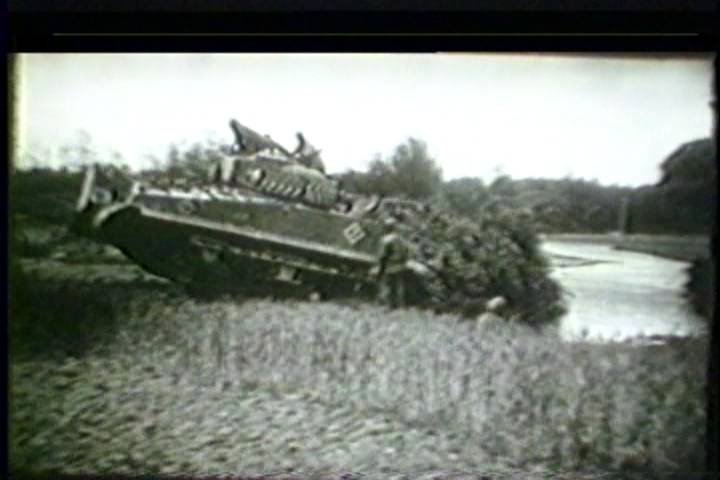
(615, 294)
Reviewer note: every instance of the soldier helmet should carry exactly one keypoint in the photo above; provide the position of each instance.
(390, 223)
(496, 304)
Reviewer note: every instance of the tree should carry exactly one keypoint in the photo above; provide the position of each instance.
(191, 162)
(690, 163)
(80, 153)
(381, 177)
(503, 186)
(684, 200)
(416, 173)
(466, 196)
(409, 172)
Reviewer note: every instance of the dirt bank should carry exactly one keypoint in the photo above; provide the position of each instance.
(676, 247)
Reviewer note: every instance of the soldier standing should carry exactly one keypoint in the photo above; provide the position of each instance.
(492, 317)
(307, 155)
(392, 266)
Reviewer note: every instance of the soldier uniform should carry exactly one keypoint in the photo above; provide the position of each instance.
(392, 269)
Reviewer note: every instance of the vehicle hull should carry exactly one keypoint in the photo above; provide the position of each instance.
(232, 241)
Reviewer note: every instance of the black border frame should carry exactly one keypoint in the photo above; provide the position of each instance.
(666, 27)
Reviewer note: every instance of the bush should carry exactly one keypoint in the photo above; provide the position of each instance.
(495, 254)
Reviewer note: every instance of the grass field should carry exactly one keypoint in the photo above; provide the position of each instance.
(120, 373)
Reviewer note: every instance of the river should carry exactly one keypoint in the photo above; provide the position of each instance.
(614, 294)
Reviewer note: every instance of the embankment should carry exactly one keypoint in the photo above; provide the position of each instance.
(677, 247)
(594, 238)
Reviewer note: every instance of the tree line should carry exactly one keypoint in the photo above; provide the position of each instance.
(681, 202)
(684, 201)
(506, 214)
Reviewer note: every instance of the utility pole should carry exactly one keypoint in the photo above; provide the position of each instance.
(624, 216)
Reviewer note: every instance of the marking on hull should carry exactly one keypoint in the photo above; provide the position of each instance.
(354, 233)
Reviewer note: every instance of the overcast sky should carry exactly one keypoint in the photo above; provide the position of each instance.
(608, 119)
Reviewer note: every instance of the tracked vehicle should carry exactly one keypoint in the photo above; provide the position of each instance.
(263, 221)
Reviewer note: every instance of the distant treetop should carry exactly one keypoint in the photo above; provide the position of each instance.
(691, 162)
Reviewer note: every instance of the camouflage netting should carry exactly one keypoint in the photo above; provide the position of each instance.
(474, 261)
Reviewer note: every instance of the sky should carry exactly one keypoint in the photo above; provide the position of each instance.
(608, 119)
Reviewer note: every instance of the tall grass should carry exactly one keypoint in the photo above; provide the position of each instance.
(520, 396)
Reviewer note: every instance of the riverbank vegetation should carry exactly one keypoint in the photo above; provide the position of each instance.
(682, 202)
(498, 400)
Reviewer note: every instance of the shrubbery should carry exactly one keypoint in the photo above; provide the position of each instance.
(495, 254)
(481, 244)
(567, 205)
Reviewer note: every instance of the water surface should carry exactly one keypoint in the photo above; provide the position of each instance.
(620, 294)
